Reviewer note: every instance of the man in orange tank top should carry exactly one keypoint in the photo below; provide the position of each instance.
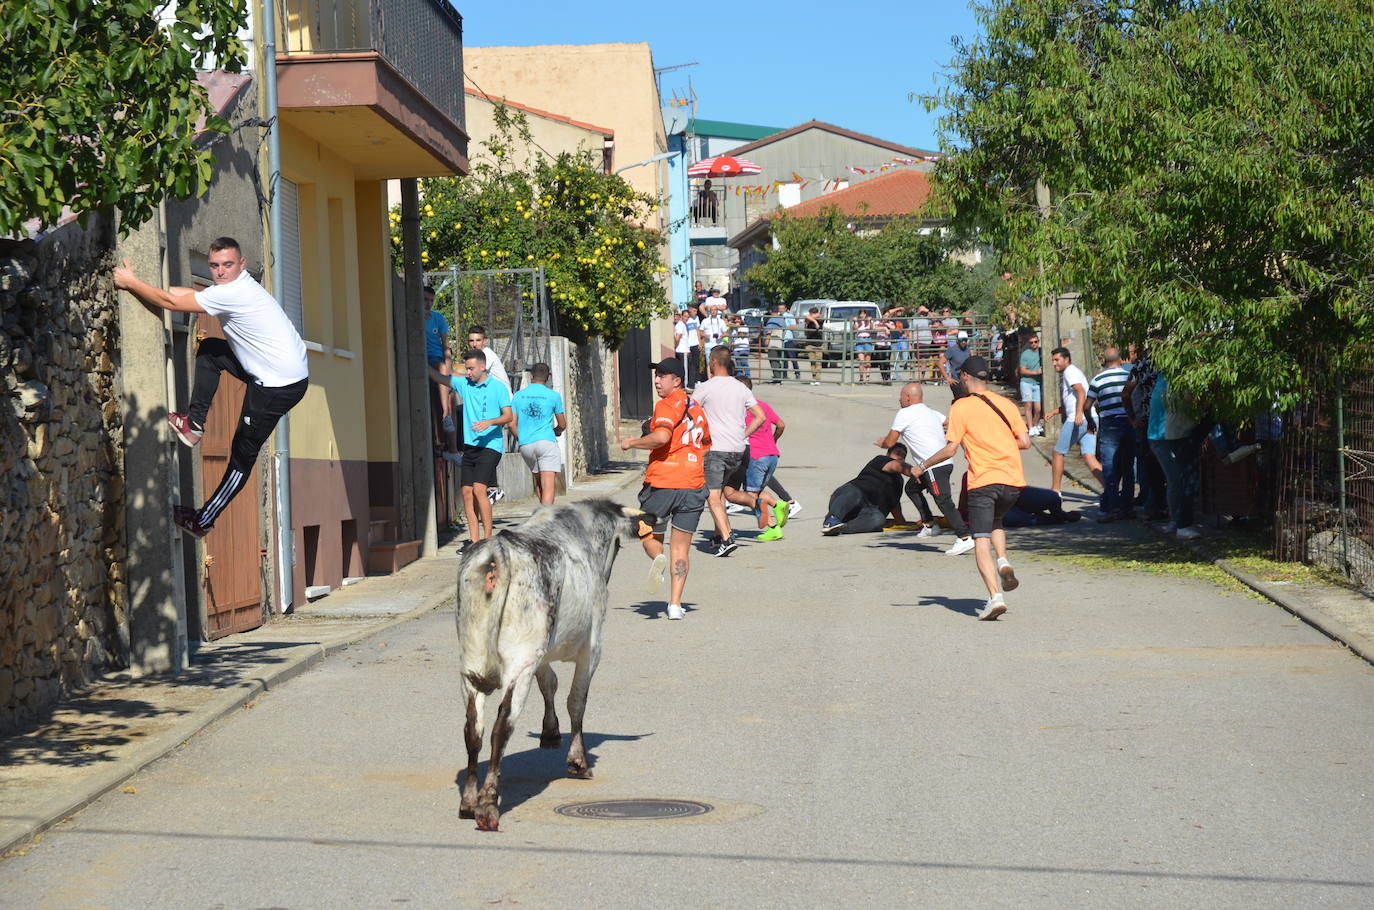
(991, 430)
(677, 438)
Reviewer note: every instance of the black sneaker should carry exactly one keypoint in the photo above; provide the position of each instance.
(185, 519)
(831, 526)
(726, 547)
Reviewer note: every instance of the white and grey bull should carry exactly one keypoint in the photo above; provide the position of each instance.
(526, 598)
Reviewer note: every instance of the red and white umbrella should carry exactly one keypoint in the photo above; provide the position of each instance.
(723, 166)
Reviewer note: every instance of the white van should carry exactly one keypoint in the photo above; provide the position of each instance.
(835, 317)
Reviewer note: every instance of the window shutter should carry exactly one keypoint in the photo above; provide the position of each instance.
(288, 197)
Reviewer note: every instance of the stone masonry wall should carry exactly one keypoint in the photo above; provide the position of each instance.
(591, 386)
(62, 598)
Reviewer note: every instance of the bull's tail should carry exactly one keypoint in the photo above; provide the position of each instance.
(483, 582)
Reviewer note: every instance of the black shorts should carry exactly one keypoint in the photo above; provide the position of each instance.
(681, 507)
(987, 505)
(479, 466)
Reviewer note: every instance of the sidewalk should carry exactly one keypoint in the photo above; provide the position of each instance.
(95, 742)
(1342, 614)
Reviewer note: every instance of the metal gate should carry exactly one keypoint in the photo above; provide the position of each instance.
(512, 305)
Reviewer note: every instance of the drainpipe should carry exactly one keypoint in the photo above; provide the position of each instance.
(281, 451)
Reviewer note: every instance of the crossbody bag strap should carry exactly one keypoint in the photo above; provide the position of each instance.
(998, 411)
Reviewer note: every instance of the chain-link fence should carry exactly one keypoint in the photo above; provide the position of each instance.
(1325, 482)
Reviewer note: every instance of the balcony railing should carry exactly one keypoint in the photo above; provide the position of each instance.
(421, 39)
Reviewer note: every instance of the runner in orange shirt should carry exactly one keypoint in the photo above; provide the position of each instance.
(677, 437)
(993, 434)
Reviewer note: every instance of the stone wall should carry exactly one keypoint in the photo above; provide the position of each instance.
(63, 596)
(592, 400)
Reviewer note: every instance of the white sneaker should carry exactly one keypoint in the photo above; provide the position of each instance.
(961, 546)
(735, 508)
(994, 608)
(658, 571)
(1188, 534)
(675, 611)
(1035, 431)
(793, 508)
(928, 531)
(1009, 580)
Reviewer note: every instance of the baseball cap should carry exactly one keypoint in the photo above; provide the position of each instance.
(668, 365)
(963, 336)
(977, 367)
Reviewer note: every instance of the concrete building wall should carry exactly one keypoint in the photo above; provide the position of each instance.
(549, 133)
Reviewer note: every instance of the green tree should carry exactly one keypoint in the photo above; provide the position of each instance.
(903, 263)
(521, 209)
(1209, 163)
(101, 103)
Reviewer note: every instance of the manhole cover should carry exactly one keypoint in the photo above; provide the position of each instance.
(619, 809)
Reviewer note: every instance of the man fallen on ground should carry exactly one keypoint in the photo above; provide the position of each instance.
(990, 429)
(1034, 507)
(260, 348)
(863, 504)
(677, 438)
(922, 430)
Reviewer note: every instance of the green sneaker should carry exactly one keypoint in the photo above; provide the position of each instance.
(773, 533)
(780, 513)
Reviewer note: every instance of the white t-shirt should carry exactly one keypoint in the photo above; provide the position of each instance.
(714, 328)
(684, 345)
(1071, 376)
(715, 304)
(726, 402)
(496, 368)
(258, 330)
(923, 432)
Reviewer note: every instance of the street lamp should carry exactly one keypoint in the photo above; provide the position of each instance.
(647, 161)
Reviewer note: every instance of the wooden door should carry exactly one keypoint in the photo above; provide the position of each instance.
(233, 550)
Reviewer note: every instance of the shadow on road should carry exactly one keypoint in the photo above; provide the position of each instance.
(525, 775)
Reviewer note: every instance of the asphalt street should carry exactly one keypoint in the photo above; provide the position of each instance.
(1117, 739)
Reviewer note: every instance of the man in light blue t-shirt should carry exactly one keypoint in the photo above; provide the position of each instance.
(539, 420)
(486, 409)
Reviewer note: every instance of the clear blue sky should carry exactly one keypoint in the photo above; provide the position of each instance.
(765, 62)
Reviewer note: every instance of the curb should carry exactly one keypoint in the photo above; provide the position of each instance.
(234, 698)
(1333, 629)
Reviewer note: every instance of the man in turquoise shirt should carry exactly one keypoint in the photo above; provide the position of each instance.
(486, 409)
(538, 421)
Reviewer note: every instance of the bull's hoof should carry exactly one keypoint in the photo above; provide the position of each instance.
(579, 770)
(488, 819)
(466, 812)
(550, 740)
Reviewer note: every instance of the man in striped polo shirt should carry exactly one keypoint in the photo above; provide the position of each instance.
(1115, 438)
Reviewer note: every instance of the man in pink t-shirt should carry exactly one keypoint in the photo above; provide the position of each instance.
(747, 484)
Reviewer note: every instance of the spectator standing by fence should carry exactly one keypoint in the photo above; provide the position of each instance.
(1032, 370)
(1073, 395)
(1115, 438)
(814, 330)
(1171, 437)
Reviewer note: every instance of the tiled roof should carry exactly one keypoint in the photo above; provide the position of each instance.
(547, 115)
(902, 192)
(829, 128)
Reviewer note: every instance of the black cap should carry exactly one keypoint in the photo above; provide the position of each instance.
(669, 365)
(977, 367)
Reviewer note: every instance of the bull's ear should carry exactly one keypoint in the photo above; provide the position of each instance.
(642, 522)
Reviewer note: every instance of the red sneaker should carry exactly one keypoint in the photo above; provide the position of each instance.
(185, 519)
(182, 425)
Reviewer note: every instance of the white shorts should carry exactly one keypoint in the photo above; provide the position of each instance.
(542, 456)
